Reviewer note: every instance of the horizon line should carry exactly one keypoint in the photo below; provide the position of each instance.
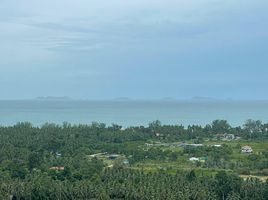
(65, 98)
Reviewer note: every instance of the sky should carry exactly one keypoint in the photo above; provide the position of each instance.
(140, 49)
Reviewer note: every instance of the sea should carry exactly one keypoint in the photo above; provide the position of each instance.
(131, 113)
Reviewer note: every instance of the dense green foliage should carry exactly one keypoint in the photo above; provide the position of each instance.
(31, 158)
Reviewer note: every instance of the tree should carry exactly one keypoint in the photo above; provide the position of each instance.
(227, 183)
(233, 196)
(220, 126)
(253, 126)
(34, 160)
(155, 126)
(191, 176)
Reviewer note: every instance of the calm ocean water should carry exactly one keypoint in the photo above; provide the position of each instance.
(129, 113)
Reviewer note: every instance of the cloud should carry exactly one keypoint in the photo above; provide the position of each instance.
(121, 46)
(91, 26)
(85, 25)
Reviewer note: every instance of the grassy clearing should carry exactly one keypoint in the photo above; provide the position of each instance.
(183, 163)
(262, 178)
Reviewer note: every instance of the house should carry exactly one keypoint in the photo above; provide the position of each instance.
(57, 168)
(203, 159)
(195, 145)
(184, 145)
(246, 149)
(193, 159)
(98, 155)
(237, 138)
(125, 162)
(225, 137)
(216, 145)
(113, 156)
(58, 154)
(148, 144)
(229, 137)
(159, 135)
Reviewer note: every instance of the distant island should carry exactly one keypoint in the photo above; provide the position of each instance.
(51, 98)
(200, 98)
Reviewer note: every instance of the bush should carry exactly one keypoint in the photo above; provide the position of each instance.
(243, 171)
(265, 172)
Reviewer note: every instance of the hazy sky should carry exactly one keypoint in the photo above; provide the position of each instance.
(141, 49)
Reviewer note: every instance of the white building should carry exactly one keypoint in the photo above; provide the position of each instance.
(246, 149)
(194, 159)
